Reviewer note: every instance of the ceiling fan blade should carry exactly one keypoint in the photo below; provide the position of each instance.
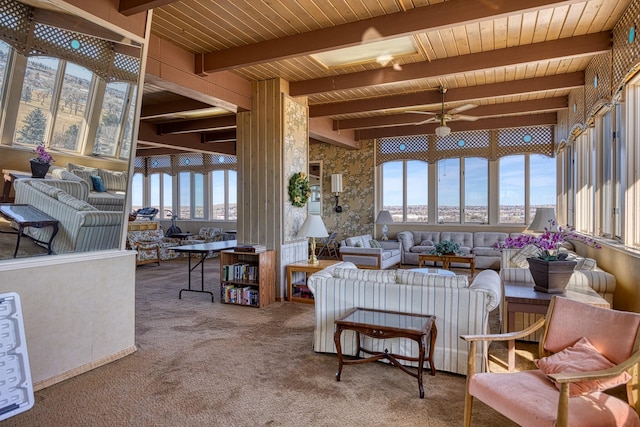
(464, 117)
(421, 112)
(429, 120)
(461, 108)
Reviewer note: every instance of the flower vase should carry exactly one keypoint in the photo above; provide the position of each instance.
(38, 170)
(550, 276)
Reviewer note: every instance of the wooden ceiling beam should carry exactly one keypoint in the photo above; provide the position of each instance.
(533, 106)
(466, 94)
(199, 125)
(149, 136)
(170, 108)
(321, 129)
(131, 7)
(458, 126)
(217, 137)
(413, 21)
(590, 44)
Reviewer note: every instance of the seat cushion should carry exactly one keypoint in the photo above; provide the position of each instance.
(530, 399)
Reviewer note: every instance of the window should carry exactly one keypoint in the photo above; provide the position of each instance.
(4, 60)
(224, 195)
(137, 193)
(113, 118)
(476, 190)
(542, 183)
(405, 190)
(512, 186)
(70, 118)
(161, 193)
(34, 112)
(184, 195)
(449, 190)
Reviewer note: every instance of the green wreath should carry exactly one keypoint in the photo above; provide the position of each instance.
(299, 189)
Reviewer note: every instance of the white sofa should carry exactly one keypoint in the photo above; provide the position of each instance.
(359, 250)
(81, 226)
(479, 243)
(459, 308)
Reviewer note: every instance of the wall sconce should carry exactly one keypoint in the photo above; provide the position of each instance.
(336, 188)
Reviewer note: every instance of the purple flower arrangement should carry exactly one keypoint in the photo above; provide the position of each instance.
(43, 155)
(548, 242)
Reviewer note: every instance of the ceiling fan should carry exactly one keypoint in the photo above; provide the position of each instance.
(442, 117)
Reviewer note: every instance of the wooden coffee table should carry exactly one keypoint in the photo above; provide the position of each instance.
(446, 260)
(28, 216)
(381, 324)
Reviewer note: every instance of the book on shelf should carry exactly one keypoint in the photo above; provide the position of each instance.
(240, 271)
(250, 248)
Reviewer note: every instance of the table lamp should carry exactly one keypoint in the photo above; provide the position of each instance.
(313, 227)
(384, 218)
(544, 218)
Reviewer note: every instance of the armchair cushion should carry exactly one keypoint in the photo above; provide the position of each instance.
(581, 357)
(375, 244)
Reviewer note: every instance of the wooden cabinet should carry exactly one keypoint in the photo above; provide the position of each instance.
(247, 278)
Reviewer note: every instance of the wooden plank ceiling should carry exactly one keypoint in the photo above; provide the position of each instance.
(511, 59)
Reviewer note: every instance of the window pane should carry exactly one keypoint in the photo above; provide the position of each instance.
(111, 118)
(128, 129)
(476, 190)
(542, 183)
(449, 190)
(417, 191)
(198, 182)
(233, 195)
(184, 194)
(167, 195)
(392, 190)
(217, 194)
(154, 196)
(34, 112)
(512, 194)
(137, 191)
(72, 108)
(4, 58)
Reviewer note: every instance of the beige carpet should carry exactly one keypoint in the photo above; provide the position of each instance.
(209, 364)
(8, 241)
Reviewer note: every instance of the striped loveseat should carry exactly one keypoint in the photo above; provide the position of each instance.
(81, 226)
(460, 308)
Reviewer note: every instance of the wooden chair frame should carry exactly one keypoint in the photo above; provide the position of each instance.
(564, 379)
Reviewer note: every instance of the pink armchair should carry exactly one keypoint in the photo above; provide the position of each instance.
(584, 350)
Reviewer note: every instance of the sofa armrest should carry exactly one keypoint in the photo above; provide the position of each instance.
(362, 257)
(489, 281)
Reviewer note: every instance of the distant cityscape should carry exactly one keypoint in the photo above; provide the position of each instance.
(509, 214)
(216, 210)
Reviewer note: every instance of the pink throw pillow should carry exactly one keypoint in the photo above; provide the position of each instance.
(581, 357)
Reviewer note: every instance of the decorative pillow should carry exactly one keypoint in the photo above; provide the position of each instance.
(375, 244)
(98, 185)
(581, 357)
(84, 174)
(520, 258)
(588, 264)
(382, 276)
(113, 180)
(426, 243)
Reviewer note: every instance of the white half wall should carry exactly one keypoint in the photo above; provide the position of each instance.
(78, 309)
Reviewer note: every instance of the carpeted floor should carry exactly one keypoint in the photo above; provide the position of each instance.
(209, 364)
(8, 243)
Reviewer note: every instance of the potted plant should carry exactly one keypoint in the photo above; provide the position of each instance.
(41, 163)
(549, 267)
(446, 247)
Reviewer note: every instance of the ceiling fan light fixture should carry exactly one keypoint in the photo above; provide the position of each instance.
(443, 130)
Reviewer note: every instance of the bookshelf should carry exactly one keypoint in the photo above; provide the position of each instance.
(247, 278)
(298, 290)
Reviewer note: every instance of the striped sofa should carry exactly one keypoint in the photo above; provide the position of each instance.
(115, 185)
(81, 226)
(460, 308)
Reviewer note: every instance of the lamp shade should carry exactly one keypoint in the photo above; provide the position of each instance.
(313, 227)
(336, 183)
(384, 217)
(443, 130)
(544, 218)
